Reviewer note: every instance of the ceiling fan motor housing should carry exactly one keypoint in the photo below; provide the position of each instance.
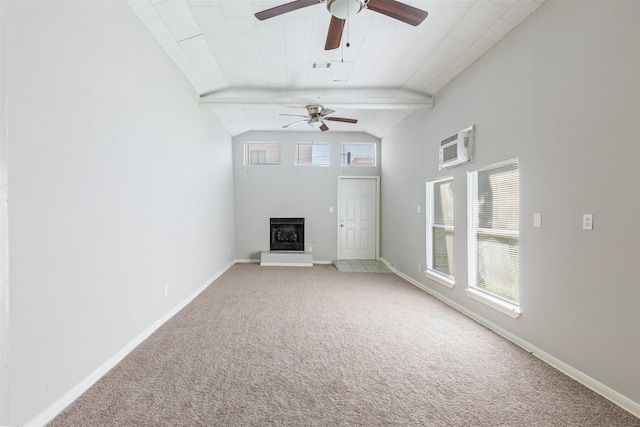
(343, 9)
(314, 110)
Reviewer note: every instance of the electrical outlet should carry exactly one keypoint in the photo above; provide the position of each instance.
(587, 222)
(419, 268)
(310, 248)
(419, 209)
(166, 290)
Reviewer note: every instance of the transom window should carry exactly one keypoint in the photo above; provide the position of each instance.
(262, 153)
(358, 154)
(313, 154)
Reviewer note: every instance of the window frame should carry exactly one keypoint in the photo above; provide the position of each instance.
(484, 296)
(247, 153)
(430, 271)
(375, 155)
(311, 144)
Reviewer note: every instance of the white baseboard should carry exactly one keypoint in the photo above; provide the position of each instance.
(257, 261)
(248, 261)
(606, 392)
(70, 396)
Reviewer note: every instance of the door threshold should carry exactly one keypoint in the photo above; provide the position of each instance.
(361, 266)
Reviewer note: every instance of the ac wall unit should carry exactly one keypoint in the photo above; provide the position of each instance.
(457, 149)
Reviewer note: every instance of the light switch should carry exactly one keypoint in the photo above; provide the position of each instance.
(419, 209)
(587, 222)
(331, 209)
(537, 219)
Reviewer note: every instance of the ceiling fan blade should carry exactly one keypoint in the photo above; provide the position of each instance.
(335, 33)
(284, 8)
(295, 123)
(400, 11)
(326, 112)
(294, 115)
(324, 128)
(341, 119)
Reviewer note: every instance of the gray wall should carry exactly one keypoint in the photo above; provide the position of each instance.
(561, 92)
(4, 230)
(119, 184)
(285, 190)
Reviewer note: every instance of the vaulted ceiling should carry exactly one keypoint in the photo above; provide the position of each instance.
(251, 71)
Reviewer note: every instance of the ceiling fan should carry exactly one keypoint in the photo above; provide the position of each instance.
(317, 115)
(342, 9)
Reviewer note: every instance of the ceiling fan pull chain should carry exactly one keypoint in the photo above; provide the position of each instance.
(348, 26)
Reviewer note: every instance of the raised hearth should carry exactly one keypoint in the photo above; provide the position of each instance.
(286, 259)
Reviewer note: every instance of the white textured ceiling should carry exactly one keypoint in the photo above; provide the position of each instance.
(250, 71)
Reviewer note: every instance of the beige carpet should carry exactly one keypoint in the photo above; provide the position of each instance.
(283, 346)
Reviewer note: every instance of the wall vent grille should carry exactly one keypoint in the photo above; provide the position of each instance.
(448, 140)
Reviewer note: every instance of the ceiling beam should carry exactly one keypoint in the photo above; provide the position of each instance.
(363, 100)
(368, 104)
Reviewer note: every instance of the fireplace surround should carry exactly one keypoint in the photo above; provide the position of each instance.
(286, 234)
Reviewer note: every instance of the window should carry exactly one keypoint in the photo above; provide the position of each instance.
(262, 153)
(358, 154)
(440, 246)
(494, 221)
(313, 154)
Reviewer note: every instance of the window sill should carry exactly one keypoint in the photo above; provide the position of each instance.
(503, 307)
(440, 279)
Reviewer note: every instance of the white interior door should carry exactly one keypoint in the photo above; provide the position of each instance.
(357, 221)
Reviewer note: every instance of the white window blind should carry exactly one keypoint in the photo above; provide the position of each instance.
(440, 228)
(494, 212)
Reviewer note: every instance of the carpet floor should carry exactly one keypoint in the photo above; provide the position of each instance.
(283, 346)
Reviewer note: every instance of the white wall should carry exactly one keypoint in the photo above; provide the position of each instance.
(561, 92)
(4, 241)
(270, 191)
(119, 184)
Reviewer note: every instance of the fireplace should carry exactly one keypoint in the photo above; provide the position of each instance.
(287, 234)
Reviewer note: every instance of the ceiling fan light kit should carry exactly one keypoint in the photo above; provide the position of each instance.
(315, 123)
(344, 9)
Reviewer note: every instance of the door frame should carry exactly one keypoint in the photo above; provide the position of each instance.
(377, 225)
